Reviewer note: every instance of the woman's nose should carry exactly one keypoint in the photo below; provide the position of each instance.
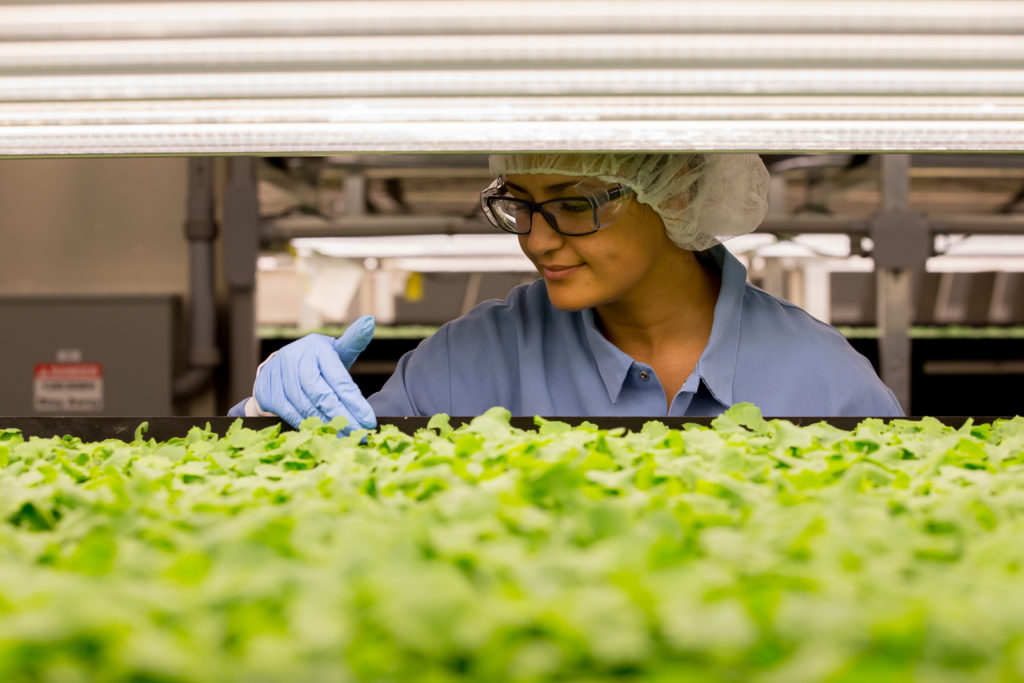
(542, 236)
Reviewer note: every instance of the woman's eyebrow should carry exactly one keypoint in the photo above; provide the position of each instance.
(557, 187)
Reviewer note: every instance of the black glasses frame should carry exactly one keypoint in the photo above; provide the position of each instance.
(494, 194)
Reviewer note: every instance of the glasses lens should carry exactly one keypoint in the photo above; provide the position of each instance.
(609, 211)
(574, 216)
(512, 214)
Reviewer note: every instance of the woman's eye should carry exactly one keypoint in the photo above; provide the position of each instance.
(575, 206)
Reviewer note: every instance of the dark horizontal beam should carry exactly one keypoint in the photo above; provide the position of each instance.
(92, 429)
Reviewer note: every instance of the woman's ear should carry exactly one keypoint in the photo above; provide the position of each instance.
(645, 213)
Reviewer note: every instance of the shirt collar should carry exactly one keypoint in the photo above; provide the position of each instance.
(716, 367)
(612, 362)
(717, 364)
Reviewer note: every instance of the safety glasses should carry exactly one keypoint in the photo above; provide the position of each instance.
(593, 209)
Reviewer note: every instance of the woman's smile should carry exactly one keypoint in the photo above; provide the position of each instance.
(554, 273)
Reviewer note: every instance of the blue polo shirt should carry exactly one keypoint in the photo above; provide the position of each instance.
(534, 359)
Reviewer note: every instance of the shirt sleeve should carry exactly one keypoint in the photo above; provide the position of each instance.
(849, 384)
(794, 365)
(867, 395)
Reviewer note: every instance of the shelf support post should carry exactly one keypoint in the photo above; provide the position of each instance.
(902, 245)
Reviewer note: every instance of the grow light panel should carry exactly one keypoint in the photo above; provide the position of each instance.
(438, 137)
(99, 20)
(409, 76)
(498, 49)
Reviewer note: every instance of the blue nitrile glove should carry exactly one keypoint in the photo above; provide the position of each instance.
(309, 378)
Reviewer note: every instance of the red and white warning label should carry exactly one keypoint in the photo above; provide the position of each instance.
(68, 387)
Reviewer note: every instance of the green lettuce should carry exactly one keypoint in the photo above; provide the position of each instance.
(751, 549)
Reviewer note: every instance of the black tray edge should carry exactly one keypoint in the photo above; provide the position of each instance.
(93, 428)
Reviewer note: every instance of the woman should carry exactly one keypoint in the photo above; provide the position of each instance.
(639, 311)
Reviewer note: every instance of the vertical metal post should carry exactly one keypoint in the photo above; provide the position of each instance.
(384, 295)
(355, 193)
(773, 277)
(895, 293)
(240, 249)
(894, 279)
(817, 291)
(1000, 308)
(203, 355)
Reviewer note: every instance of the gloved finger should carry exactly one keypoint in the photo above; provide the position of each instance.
(306, 388)
(354, 341)
(270, 394)
(320, 400)
(350, 421)
(350, 400)
(320, 386)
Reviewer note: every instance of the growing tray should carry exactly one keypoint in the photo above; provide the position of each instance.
(163, 428)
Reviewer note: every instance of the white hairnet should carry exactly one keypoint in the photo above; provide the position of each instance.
(702, 198)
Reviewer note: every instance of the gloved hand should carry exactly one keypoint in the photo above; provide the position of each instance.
(309, 378)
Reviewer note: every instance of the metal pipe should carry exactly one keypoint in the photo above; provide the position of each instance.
(789, 225)
(375, 226)
(372, 226)
(241, 247)
(202, 354)
(981, 225)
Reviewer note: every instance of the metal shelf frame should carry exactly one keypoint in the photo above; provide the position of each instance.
(901, 239)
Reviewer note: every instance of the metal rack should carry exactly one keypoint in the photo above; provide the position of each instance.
(901, 237)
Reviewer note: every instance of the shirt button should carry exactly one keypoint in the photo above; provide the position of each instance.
(644, 376)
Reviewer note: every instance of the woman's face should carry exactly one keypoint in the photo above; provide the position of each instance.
(622, 263)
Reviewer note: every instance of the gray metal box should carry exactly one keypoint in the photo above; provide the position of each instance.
(88, 355)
